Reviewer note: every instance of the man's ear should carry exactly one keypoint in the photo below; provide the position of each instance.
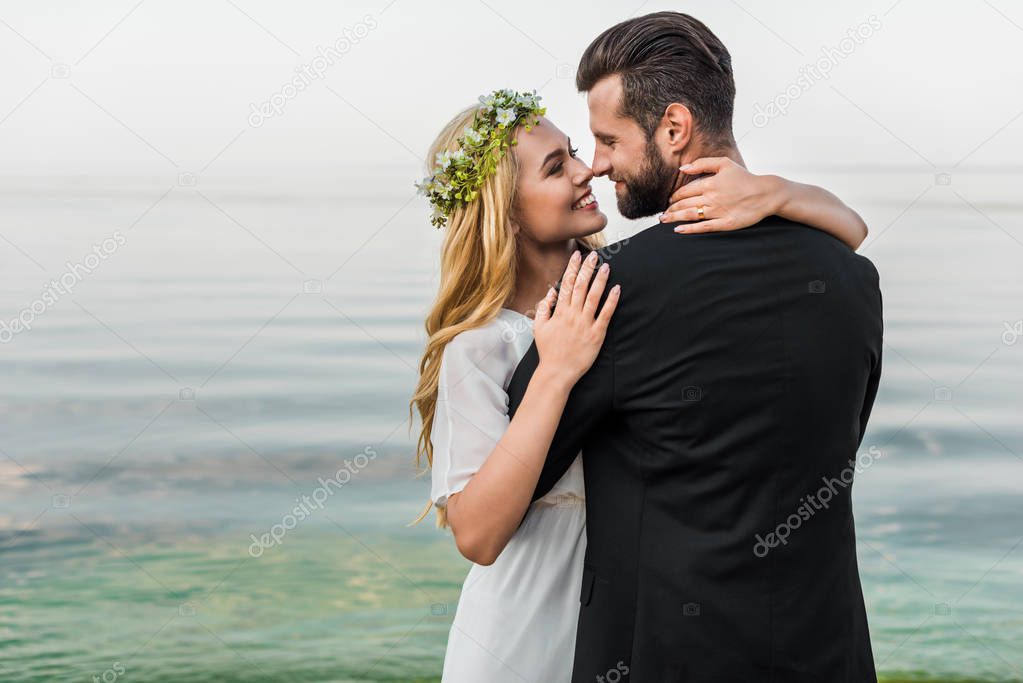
(678, 126)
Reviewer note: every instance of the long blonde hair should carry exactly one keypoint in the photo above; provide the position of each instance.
(477, 277)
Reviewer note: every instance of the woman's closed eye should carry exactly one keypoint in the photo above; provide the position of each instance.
(557, 168)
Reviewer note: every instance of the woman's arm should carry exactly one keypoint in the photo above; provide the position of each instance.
(486, 513)
(733, 198)
(819, 208)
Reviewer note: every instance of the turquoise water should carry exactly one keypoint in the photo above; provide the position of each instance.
(193, 389)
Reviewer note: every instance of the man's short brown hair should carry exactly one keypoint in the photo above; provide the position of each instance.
(662, 58)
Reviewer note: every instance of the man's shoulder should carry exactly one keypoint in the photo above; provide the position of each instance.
(659, 247)
(650, 245)
(659, 235)
(631, 250)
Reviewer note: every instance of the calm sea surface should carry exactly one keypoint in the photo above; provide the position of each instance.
(238, 345)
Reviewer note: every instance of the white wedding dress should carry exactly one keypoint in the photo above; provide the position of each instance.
(516, 619)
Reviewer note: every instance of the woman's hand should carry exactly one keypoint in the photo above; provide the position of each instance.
(486, 514)
(731, 198)
(569, 338)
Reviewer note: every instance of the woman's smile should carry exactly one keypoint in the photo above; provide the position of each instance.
(587, 203)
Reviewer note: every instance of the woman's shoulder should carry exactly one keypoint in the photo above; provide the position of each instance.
(493, 347)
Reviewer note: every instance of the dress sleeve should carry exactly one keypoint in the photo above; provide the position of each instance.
(471, 416)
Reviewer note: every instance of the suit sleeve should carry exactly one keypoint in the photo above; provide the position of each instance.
(871, 394)
(589, 401)
(875, 373)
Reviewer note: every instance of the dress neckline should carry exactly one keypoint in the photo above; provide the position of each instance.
(514, 312)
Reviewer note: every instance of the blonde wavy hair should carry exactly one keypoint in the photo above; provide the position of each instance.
(477, 277)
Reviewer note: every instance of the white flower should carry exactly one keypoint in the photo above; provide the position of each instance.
(472, 136)
(505, 117)
(443, 159)
(488, 102)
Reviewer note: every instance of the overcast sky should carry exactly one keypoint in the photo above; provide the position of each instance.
(155, 87)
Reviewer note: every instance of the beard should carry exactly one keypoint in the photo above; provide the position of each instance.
(650, 189)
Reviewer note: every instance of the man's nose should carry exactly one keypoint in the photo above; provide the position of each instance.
(601, 164)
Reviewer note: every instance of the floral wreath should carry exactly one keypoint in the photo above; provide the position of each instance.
(458, 175)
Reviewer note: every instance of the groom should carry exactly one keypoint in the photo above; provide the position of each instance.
(720, 424)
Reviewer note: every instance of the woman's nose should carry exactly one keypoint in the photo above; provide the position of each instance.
(584, 174)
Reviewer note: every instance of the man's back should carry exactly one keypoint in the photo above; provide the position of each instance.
(733, 391)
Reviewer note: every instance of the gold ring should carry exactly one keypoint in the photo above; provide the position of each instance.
(699, 212)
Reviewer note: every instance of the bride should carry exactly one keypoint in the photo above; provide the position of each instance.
(517, 207)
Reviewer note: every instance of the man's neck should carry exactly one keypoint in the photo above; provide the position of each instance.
(691, 154)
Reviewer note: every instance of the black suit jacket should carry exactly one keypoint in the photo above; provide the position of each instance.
(723, 413)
